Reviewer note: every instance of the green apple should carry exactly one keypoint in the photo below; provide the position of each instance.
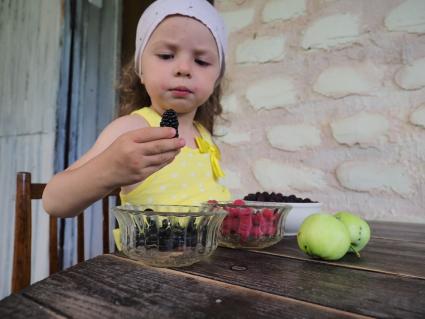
(322, 235)
(359, 230)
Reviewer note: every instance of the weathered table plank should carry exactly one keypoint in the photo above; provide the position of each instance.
(111, 287)
(399, 231)
(17, 306)
(358, 291)
(387, 281)
(402, 258)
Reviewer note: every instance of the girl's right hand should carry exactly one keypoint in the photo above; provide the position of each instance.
(137, 154)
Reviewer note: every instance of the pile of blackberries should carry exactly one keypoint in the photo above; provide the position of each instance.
(169, 119)
(170, 236)
(276, 197)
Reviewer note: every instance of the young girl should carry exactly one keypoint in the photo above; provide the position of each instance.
(179, 61)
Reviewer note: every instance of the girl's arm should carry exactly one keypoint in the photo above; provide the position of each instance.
(126, 153)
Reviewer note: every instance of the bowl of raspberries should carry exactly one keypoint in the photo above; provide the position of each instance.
(251, 225)
(301, 208)
(168, 235)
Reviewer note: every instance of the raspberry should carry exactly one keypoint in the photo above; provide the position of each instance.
(256, 232)
(267, 213)
(233, 212)
(234, 225)
(257, 219)
(245, 223)
(264, 227)
(267, 223)
(233, 215)
(169, 119)
(226, 226)
(238, 202)
(272, 230)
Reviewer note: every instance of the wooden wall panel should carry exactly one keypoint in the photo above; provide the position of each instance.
(44, 70)
(30, 34)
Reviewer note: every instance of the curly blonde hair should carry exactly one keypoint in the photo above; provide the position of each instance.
(133, 96)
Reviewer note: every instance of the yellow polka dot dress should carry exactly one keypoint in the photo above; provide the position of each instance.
(188, 180)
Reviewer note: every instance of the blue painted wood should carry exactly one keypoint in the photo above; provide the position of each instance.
(93, 101)
(63, 108)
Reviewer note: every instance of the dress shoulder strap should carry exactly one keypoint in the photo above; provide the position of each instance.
(149, 115)
(203, 131)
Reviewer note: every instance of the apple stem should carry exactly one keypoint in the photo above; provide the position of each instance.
(355, 251)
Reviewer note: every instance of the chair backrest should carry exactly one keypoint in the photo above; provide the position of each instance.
(26, 191)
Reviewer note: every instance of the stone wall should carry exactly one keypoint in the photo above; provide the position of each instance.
(326, 100)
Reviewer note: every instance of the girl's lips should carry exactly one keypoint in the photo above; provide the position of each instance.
(180, 91)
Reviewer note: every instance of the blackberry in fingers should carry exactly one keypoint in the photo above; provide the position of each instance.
(169, 119)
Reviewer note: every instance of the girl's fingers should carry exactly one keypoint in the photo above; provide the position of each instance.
(148, 134)
(160, 159)
(162, 146)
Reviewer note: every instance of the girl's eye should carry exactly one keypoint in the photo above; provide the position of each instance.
(201, 62)
(165, 56)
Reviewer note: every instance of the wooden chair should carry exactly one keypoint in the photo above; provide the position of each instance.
(26, 191)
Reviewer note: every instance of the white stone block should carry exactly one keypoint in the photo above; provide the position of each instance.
(362, 128)
(280, 176)
(238, 19)
(236, 138)
(220, 129)
(272, 93)
(283, 10)
(230, 104)
(340, 81)
(411, 77)
(408, 16)
(231, 179)
(261, 50)
(373, 176)
(336, 30)
(418, 116)
(294, 137)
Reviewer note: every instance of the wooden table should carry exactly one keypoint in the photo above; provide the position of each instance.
(388, 281)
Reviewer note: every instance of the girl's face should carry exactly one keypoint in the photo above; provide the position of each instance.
(180, 65)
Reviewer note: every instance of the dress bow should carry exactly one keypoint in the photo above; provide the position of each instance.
(205, 147)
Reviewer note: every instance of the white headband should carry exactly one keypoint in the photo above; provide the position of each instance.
(199, 9)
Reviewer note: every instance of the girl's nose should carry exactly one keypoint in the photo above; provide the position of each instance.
(183, 68)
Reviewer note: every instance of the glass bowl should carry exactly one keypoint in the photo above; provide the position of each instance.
(168, 235)
(253, 225)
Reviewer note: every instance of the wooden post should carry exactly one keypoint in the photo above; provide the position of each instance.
(21, 276)
(105, 209)
(53, 245)
(80, 237)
